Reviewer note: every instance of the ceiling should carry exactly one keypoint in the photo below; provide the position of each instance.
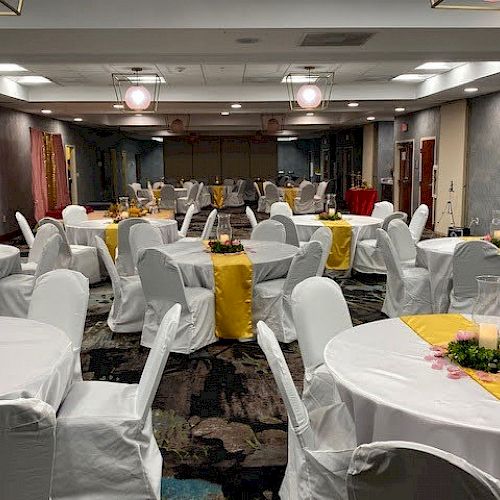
(214, 53)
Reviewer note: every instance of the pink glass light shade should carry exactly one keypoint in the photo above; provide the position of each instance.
(309, 96)
(138, 98)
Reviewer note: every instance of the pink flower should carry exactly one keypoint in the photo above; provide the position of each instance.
(484, 376)
(236, 242)
(463, 335)
(227, 243)
(487, 237)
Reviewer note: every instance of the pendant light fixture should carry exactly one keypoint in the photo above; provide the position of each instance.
(309, 96)
(466, 4)
(309, 91)
(11, 7)
(137, 92)
(137, 97)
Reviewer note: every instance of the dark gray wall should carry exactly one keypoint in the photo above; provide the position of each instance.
(385, 151)
(151, 161)
(294, 156)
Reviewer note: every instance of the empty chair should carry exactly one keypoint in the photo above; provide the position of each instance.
(168, 198)
(397, 470)
(187, 185)
(132, 193)
(261, 199)
(60, 298)
(185, 202)
(106, 448)
(136, 186)
(251, 216)
(228, 182)
(73, 214)
(382, 209)
(163, 286)
(186, 222)
(272, 298)
(205, 196)
(250, 193)
(269, 230)
(128, 308)
(281, 208)
(418, 222)
(303, 183)
(324, 236)
(408, 289)
(235, 198)
(25, 229)
(27, 444)
(271, 194)
(124, 262)
(330, 187)
(472, 259)
(158, 184)
(305, 203)
(42, 235)
(319, 197)
(291, 236)
(207, 228)
(143, 236)
(16, 289)
(320, 442)
(403, 242)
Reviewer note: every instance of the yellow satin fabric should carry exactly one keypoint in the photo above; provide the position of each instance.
(157, 193)
(233, 296)
(218, 196)
(111, 238)
(340, 251)
(289, 195)
(440, 329)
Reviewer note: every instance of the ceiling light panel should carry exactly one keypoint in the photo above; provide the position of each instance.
(11, 68)
(412, 77)
(30, 80)
(438, 66)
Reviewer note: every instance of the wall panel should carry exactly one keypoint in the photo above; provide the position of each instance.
(206, 158)
(178, 155)
(263, 159)
(235, 153)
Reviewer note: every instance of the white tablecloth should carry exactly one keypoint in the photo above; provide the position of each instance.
(10, 260)
(394, 394)
(84, 232)
(270, 260)
(180, 192)
(36, 361)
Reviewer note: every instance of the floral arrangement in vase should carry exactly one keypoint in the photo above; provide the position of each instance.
(227, 247)
(492, 239)
(118, 215)
(332, 216)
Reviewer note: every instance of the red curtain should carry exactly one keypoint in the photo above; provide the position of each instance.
(38, 175)
(61, 176)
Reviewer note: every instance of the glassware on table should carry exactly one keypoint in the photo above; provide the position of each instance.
(224, 229)
(495, 225)
(486, 310)
(331, 204)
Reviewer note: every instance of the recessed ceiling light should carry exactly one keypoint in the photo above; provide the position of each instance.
(118, 106)
(399, 110)
(225, 113)
(310, 114)
(299, 78)
(436, 66)
(7, 68)
(157, 139)
(353, 104)
(287, 139)
(33, 79)
(236, 105)
(471, 90)
(370, 118)
(78, 119)
(411, 77)
(46, 111)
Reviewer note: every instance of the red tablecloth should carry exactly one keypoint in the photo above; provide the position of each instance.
(361, 201)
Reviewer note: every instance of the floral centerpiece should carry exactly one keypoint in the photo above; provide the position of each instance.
(330, 216)
(118, 215)
(228, 246)
(492, 239)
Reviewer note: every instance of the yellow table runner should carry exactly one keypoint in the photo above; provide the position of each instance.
(340, 251)
(233, 296)
(440, 329)
(289, 195)
(218, 196)
(157, 193)
(111, 238)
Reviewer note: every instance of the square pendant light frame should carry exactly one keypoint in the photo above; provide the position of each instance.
(466, 5)
(324, 80)
(13, 10)
(122, 81)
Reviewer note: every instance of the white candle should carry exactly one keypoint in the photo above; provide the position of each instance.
(223, 238)
(331, 212)
(488, 336)
(496, 234)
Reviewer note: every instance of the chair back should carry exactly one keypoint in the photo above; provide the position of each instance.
(157, 359)
(394, 216)
(271, 193)
(390, 256)
(241, 188)
(304, 265)
(382, 209)
(131, 192)
(27, 444)
(65, 255)
(44, 232)
(396, 470)
(303, 183)
(325, 238)
(198, 193)
(228, 182)
(307, 193)
(187, 185)
(167, 194)
(320, 192)
(124, 262)
(418, 222)
(319, 313)
(73, 214)
(60, 298)
(281, 208)
(251, 216)
(25, 229)
(209, 225)
(135, 186)
(50, 258)
(269, 230)
(192, 193)
(158, 185)
(187, 220)
(256, 186)
(402, 240)
(109, 264)
(297, 412)
(143, 236)
(291, 236)
(330, 187)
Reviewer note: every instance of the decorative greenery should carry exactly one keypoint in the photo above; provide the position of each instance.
(117, 216)
(233, 246)
(327, 216)
(468, 354)
(495, 241)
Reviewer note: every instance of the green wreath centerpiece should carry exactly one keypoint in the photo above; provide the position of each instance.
(327, 216)
(228, 247)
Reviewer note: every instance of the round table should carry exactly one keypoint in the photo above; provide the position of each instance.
(10, 260)
(393, 394)
(270, 260)
(36, 361)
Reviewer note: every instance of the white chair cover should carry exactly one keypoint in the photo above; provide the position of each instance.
(305, 204)
(418, 222)
(187, 220)
(472, 259)
(403, 242)
(205, 197)
(261, 204)
(251, 216)
(60, 298)
(129, 305)
(271, 194)
(136, 186)
(269, 230)
(106, 448)
(320, 442)
(25, 229)
(187, 185)
(235, 198)
(143, 236)
(42, 235)
(281, 208)
(158, 184)
(291, 237)
(272, 298)
(185, 202)
(319, 197)
(163, 286)
(27, 445)
(132, 193)
(382, 209)
(397, 470)
(73, 214)
(207, 229)
(408, 289)
(325, 238)
(168, 198)
(124, 262)
(303, 183)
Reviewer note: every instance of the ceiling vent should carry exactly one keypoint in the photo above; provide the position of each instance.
(334, 39)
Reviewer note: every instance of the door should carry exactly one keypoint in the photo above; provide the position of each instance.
(427, 163)
(345, 170)
(405, 175)
(71, 173)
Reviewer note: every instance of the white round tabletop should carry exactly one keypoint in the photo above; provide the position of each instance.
(270, 260)
(439, 245)
(36, 361)
(394, 394)
(10, 260)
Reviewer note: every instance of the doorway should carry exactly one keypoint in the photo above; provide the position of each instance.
(71, 173)
(345, 170)
(427, 162)
(405, 153)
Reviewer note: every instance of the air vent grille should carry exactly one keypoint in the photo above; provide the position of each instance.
(335, 39)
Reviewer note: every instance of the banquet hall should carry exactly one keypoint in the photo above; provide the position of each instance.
(249, 250)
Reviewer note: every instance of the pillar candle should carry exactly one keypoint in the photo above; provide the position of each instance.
(496, 234)
(488, 335)
(223, 238)
(331, 212)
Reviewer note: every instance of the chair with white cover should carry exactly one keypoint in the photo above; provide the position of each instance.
(44, 232)
(16, 289)
(207, 229)
(292, 237)
(228, 182)
(261, 203)
(205, 196)
(163, 286)
(185, 202)
(324, 236)
(303, 183)
(320, 312)
(27, 445)
(143, 236)
(106, 447)
(281, 208)
(168, 198)
(187, 185)
(132, 193)
(129, 305)
(397, 470)
(124, 262)
(408, 289)
(319, 197)
(73, 214)
(304, 204)
(382, 209)
(272, 298)
(60, 298)
(251, 216)
(320, 442)
(250, 193)
(158, 184)
(136, 186)
(235, 198)
(470, 260)
(271, 194)
(186, 222)
(418, 222)
(269, 230)
(401, 238)
(25, 229)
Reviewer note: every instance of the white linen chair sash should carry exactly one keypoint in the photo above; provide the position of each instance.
(269, 230)
(187, 220)
(25, 229)
(209, 224)
(418, 222)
